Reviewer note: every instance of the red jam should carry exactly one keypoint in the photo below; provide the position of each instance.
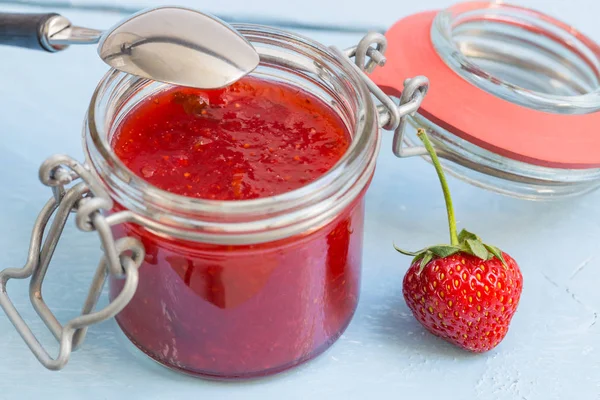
(249, 310)
(253, 139)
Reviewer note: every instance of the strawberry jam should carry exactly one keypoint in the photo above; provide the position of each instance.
(240, 311)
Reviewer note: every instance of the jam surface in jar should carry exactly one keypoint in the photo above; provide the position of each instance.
(247, 310)
(252, 139)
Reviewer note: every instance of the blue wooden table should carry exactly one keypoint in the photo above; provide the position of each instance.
(551, 352)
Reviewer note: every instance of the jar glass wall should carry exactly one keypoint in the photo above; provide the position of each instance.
(239, 289)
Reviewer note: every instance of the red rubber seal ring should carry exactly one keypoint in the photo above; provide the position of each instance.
(504, 128)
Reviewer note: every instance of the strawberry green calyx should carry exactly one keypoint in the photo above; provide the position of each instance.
(466, 241)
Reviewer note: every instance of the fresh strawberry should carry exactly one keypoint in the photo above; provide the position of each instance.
(466, 292)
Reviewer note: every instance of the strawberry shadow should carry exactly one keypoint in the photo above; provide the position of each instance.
(394, 326)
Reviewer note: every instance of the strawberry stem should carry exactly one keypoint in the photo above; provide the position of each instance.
(438, 168)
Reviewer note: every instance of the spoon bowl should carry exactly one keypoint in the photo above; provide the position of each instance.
(174, 45)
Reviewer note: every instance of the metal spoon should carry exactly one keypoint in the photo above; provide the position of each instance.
(167, 44)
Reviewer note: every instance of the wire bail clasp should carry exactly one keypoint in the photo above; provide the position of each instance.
(391, 116)
(121, 259)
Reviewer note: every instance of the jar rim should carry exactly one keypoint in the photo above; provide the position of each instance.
(529, 20)
(239, 221)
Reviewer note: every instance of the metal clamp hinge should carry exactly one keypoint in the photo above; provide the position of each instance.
(122, 258)
(391, 116)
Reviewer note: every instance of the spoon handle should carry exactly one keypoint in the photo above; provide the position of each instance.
(31, 31)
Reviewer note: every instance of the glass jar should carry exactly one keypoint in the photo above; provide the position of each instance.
(225, 289)
(239, 289)
(514, 101)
